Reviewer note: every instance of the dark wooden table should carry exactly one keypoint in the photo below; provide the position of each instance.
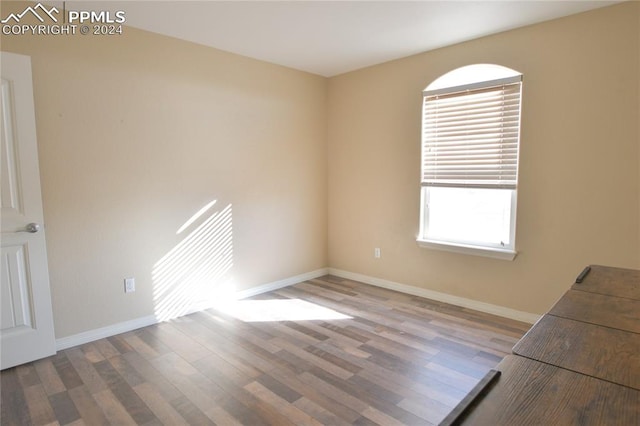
(611, 281)
(578, 365)
(601, 352)
(607, 311)
(529, 392)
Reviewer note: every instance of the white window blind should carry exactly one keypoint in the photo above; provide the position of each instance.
(471, 135)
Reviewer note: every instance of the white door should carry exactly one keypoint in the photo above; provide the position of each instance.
(26, 321)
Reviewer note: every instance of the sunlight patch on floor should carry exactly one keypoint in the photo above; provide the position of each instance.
(279, 310)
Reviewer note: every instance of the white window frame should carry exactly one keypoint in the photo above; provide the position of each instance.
(465, 247)
(498, 251)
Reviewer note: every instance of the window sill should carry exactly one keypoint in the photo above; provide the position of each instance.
(495, 253)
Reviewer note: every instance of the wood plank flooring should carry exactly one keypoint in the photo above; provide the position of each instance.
(398, 360)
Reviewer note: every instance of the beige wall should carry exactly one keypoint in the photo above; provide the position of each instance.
(136, 133)
(578, 199)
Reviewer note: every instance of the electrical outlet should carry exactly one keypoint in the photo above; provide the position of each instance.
(129, 285)
(376, 252)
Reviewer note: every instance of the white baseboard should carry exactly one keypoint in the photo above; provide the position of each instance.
(101, 333)
(254, 291)
(440, 297)
(125, 326)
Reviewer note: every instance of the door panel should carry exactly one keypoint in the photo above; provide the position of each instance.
(10, 200)
(15, 294)
(26, 320)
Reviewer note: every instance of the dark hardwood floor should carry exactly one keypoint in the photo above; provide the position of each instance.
(398, 360)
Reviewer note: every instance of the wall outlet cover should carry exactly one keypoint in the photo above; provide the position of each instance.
(129, 285)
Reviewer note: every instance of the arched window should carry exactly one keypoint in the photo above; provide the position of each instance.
(470, 147)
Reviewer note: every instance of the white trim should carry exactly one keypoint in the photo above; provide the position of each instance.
(254, 291)
(472, 86)
(101, 333)
(125, 326)
(440, 297)
(495, 253)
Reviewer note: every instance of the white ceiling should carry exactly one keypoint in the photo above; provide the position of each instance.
(334, 37)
